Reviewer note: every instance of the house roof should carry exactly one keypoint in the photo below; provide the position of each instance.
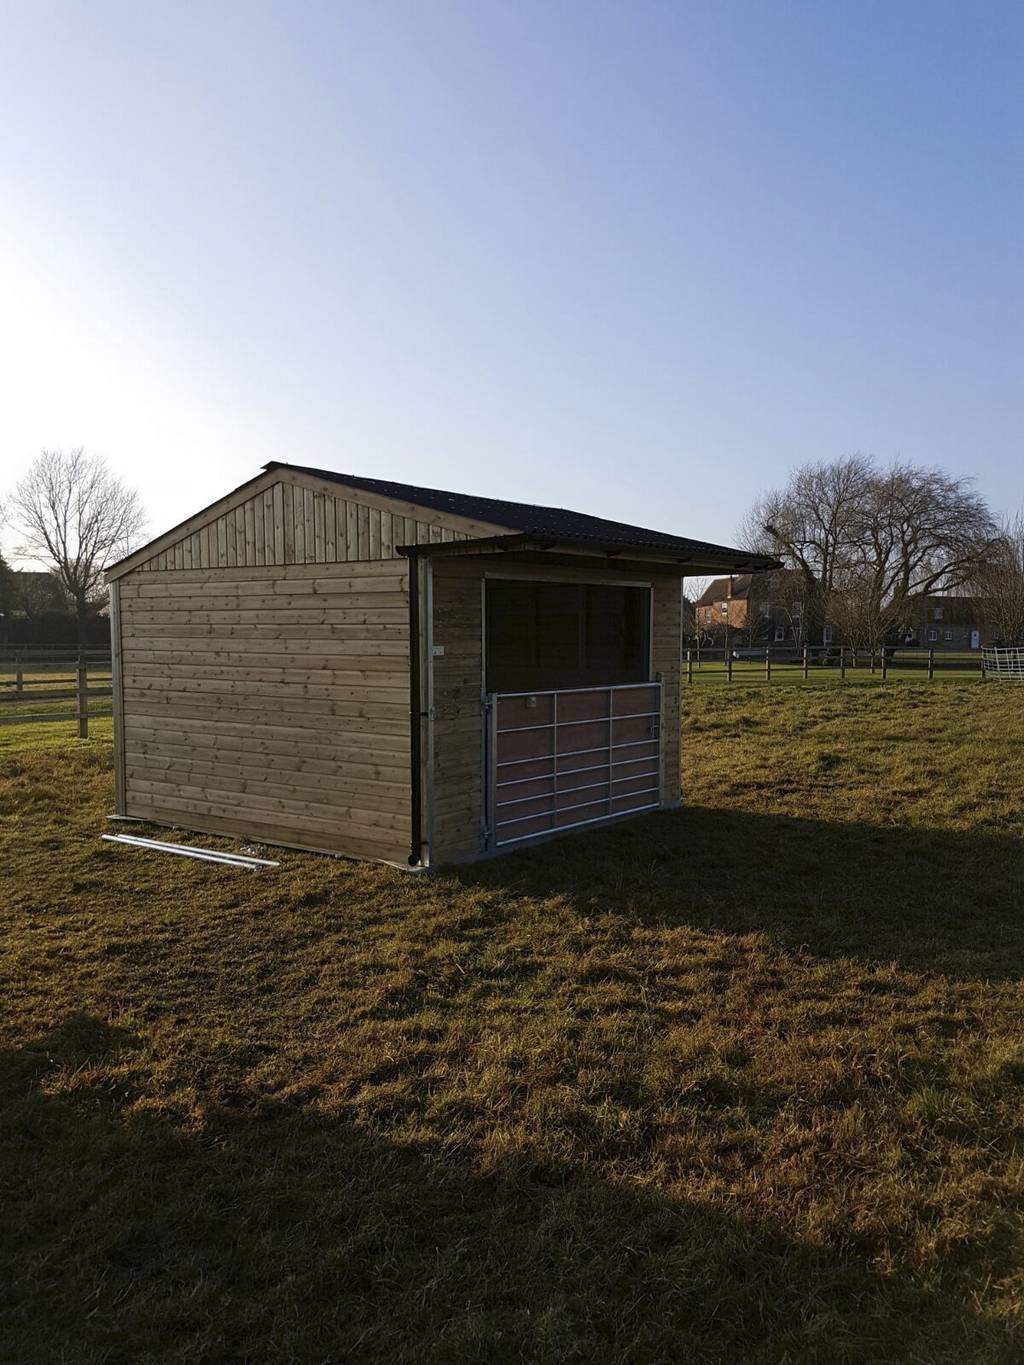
(718, 590)
(532, 519)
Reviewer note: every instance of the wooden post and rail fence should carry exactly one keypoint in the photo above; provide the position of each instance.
(752, 663)
(34, 677)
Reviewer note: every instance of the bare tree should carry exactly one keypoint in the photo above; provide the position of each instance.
(868, 541)
(918, 532)
(36, 593)
(999, 583)
(76, 517)
(808, 524)
(693, 590)
(784, 592)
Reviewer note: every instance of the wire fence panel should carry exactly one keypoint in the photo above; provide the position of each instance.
(1004, 663)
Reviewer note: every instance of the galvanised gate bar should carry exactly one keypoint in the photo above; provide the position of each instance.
(561, 759)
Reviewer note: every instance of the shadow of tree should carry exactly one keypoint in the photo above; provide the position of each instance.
(926, 899)
(261, 1230)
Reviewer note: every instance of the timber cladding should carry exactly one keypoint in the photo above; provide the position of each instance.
(270, 701)
(457, 809)
(281, 520)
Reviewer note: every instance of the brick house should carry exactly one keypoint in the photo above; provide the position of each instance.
(942, 622)
(763, 607)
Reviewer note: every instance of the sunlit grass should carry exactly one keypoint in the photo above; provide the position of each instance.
(739, 1083)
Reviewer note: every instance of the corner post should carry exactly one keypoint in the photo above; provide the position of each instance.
(117, 698)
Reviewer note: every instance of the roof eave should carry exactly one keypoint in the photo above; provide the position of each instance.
(674, 559)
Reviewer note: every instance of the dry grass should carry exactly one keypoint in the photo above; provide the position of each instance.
(743, 1083)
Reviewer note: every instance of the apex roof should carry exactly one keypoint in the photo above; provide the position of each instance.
(557, 523)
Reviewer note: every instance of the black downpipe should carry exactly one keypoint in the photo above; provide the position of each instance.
(415, 720)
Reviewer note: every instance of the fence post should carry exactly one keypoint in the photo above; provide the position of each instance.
(19, 680)
(842, 663)
(931, 665)
(689, 665)
(872, 661)
(805, 661)
(885, 664)
(83, 699)
(767, 663)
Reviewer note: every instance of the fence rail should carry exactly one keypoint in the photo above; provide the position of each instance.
(780, 661)
(31, 677)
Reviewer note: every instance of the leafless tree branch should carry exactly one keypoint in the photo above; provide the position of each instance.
(76, 517)
(868, 541)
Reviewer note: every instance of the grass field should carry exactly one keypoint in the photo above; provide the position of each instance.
(741, 1083)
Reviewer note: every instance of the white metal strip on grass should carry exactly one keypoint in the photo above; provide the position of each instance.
(206, 855)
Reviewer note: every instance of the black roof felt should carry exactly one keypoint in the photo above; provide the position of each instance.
(529, 518)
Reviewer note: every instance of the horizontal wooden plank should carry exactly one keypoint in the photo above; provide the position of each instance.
(365, 695)
(371, 821)
(316, 836)
(394, 772)
(354, 601)
(282, 636)
(39, 719)
(311, 718)
(154, 587)
(385, 677)
(274, 732)
(348, 622)
(272, 573)
(386, 713)
(24, 697)
(237, 643)
(387, 798)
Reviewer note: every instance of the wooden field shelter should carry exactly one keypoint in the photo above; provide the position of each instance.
(382, 671)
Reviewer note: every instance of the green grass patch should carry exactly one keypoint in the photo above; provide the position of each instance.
(739, 1083)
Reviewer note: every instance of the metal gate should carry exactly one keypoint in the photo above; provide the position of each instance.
(565, 758)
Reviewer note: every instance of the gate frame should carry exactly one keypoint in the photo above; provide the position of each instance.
(488, 706)
(490, 730)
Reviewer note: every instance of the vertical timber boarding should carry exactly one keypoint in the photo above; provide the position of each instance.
(262, 664)
(458, 805)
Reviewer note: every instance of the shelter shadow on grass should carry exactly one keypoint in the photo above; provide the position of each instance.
(268, 1231)
(926, 899)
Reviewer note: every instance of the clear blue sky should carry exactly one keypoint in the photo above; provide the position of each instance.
(635, 258)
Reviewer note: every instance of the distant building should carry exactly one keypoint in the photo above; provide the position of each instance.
(765, 607)
(37, 591)
(942, 622)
